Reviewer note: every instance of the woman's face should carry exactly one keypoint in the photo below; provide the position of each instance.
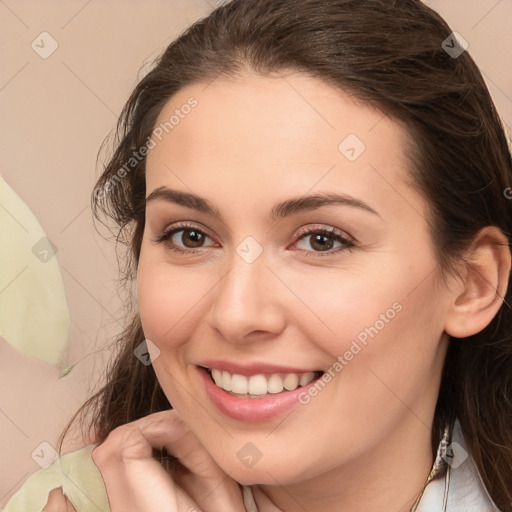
(246, 177)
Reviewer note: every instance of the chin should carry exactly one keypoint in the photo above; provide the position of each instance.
(264, 472)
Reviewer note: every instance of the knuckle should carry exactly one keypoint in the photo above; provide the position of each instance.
(108, 447)
(114, 446)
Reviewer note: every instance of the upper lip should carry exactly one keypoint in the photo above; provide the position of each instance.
(252, 368)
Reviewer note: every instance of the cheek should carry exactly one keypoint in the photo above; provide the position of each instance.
(169, 300)
(339, 306)
(392, 359)
(384, 323)
(169, 308)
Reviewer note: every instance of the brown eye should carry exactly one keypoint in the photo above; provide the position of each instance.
(191, 238)
(323, 241)
(183, 238)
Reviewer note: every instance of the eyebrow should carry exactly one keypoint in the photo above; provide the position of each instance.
(280, 210)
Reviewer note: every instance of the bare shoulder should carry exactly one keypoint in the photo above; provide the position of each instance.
(57, 502)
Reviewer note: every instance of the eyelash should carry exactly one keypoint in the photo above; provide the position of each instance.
(334, 233)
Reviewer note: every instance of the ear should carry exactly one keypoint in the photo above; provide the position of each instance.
(480, 295)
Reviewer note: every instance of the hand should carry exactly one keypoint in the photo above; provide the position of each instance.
(136, 481)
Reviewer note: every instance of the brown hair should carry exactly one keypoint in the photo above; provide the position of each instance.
(389, 54)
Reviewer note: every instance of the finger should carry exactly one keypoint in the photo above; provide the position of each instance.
(57, 502)
(205, 480)
(134, 480)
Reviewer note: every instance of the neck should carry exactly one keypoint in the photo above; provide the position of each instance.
(390, 478)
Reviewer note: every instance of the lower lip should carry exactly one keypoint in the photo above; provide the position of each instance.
(252, 409)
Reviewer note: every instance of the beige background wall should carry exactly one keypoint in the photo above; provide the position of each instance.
(54, 114)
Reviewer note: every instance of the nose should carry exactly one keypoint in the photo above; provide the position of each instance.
(246, 302)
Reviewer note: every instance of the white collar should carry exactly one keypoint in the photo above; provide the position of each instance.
(461, 489)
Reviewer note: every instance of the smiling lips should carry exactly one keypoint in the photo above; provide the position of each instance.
(254, 392)
(260, 384)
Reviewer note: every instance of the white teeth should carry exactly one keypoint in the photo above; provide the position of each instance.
(239, 384)
(291, 381)
(217, 377)
(275, 384)
(258, 385)
(226, 381)
(306, 378)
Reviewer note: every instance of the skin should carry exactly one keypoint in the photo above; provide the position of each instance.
(364, 441)
(58, 502)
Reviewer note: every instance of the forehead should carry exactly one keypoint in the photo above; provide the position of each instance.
(261, 135)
